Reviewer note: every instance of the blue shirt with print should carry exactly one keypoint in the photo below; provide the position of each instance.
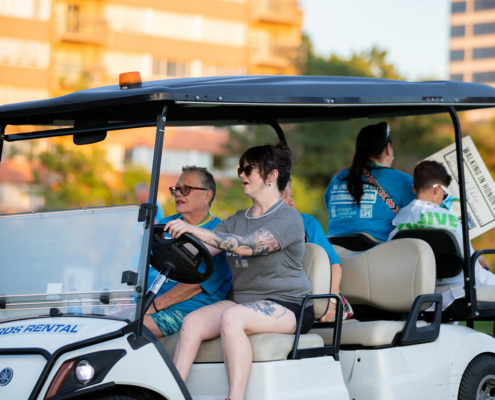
(316, 235)
(373, 216)
(214, 289)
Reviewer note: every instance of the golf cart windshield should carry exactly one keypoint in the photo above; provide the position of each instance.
(71, 261)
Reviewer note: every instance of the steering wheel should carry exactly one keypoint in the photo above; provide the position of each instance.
(184, 266)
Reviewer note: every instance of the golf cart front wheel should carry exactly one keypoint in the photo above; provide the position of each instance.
(478, 381)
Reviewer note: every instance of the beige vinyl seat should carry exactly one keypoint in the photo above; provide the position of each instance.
(448, 243)
(389, 277)
(272, 346)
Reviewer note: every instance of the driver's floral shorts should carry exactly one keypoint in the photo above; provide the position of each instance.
(169, 321)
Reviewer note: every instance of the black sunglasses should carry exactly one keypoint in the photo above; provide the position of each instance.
(247, 170)
(184, 190)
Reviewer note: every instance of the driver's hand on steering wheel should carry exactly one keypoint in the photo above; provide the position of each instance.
(177, 227)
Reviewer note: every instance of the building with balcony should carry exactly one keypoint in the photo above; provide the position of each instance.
(53, 47)
(472, 45)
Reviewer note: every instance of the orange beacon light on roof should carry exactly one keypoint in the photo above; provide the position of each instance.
(130, 80)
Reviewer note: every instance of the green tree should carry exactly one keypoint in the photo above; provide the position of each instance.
(69, 178)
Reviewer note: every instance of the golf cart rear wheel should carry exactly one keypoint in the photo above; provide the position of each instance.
(478, 381)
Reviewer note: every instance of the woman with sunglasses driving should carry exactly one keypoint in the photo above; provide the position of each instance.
(367, 196)
(193, 194)
(265, 246)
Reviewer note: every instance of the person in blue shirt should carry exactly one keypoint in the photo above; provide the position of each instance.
(194, 192)
(367, 196)
(314, 234)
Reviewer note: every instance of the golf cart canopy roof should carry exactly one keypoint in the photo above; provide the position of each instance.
(247, 100)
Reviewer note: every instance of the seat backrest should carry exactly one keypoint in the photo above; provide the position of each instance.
(388, 276)
(445, 245)
(316, 264)
(357, 241)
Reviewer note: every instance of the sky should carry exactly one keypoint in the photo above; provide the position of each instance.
(415, 33)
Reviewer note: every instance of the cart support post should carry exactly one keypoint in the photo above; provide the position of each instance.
(2, 132)
(469, 278)
(155, 180)
(278, 130)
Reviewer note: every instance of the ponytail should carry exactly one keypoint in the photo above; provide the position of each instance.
(370, 143)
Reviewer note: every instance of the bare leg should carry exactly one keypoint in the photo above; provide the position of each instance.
(202, 324)
(150, 324)
(237, 323)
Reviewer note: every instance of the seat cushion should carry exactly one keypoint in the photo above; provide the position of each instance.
(266, 346)
(485, 293)
(389, 276)
(368, 334)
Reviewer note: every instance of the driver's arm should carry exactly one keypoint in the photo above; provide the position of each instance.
(254, 244)
(180, 292)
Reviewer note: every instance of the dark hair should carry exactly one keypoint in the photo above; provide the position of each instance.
(429, 173)
(370, 143)
(207, 180)
(268, 158)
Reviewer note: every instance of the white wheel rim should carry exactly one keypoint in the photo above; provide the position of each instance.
(486, 388)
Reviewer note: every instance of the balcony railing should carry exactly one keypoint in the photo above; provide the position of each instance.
(273, 55)
(277, 11)
(77, 29)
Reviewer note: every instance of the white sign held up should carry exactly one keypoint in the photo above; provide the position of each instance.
(480, 188)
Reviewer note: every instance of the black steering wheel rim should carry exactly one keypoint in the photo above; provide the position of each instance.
(184, 266)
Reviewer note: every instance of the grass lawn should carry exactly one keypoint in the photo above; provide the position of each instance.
(482, 326)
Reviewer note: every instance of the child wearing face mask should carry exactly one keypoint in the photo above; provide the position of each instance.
(431, 181)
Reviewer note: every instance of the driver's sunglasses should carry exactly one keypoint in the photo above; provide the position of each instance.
(446, 192)
(247, 170)
(184, 190)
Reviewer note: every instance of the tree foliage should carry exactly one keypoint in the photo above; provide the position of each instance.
(71, 178)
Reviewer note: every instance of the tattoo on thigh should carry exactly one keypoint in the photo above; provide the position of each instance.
(266, 307)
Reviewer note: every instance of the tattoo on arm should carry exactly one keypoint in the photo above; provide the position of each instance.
(259, 242)
(266, 307)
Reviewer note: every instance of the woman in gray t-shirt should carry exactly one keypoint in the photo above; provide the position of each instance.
(265, 248)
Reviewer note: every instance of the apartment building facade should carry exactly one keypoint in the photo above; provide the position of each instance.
(53, 47)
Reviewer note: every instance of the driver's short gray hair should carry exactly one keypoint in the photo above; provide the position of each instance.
(207, 180)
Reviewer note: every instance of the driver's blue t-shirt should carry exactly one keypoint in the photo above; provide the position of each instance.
(214, 289)
(373, 216)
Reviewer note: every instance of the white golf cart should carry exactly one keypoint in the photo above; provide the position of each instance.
(72, 296)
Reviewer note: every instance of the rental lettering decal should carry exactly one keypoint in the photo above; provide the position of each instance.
(40, 329)
(480, 188)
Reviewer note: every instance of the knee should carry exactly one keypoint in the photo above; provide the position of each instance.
(230, 320)
(190, 327)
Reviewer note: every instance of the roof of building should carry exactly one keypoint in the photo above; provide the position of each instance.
(250, 99)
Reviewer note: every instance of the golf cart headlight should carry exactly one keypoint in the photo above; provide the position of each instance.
(84, 371)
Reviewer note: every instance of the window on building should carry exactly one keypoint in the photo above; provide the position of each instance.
(457, 55)
(485, 52)
(480, 5)
(457, 77)
(24, 53)
(27, 9)
(456, 31)
(170, 69)
(483, 29)
(484, 77)
(459, 7)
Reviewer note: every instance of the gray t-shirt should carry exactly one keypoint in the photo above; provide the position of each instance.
(278, 275)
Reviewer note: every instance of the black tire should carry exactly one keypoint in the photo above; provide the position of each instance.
(478, 378)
